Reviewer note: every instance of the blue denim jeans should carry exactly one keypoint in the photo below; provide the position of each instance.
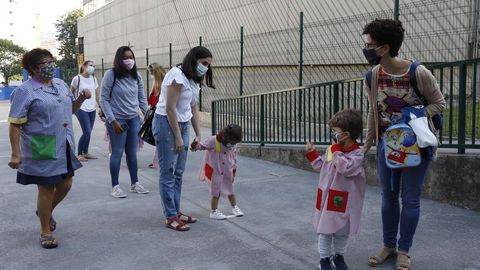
(86, 120)
(408, 183)
(171, 163)
(126, 141)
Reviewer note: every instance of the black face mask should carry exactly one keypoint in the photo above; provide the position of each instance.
(371, 55)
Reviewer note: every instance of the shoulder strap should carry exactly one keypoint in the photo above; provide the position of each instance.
(369, 75)
(413, 81)
(368, 78)
(329, 153)
(78, 87)
(113, 83)
(217, 146)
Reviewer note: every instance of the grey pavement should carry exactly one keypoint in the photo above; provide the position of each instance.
(97, 231)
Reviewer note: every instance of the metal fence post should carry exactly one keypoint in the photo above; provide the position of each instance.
(103, 68)
(300, 75)
(336, 98)
(170, 54)
(396, 11)
(148, 74)
(462, 100)
(262, 120)
(201, 89)
(214, 122)
(241, 61)
(300, 62)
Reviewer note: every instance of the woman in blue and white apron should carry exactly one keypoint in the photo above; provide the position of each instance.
(41, 136)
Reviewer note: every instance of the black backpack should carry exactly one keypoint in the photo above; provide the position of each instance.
(115, 79)
(437, 119)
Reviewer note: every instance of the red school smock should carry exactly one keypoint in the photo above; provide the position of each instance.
(341, 188)
(219, 166)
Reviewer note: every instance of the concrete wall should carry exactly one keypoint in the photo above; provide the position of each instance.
(436, 30)
(452, 178)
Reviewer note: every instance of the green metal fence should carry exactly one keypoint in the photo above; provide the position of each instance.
(272, 45)
(298, 115)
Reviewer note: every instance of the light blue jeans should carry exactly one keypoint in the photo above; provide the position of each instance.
(126, 141)
(171, 163)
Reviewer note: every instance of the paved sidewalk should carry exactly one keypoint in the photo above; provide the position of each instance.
(97, 231)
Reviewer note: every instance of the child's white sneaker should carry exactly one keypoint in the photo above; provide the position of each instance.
(236, 211)
(216, 214)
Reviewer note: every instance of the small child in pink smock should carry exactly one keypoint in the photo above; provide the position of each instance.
(341, 188)
(220, 166)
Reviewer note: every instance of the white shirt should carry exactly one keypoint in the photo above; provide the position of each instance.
(90, 83)
(188, 95)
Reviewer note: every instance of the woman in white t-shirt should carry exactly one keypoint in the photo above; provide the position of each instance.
(86, 115)
(177, 106)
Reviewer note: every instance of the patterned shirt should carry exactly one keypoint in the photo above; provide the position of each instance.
(394, 93)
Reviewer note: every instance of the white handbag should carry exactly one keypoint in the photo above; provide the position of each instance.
(425, 136)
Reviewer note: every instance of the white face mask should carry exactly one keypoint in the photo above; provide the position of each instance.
(201, 70)
(90, 70)
(152, 77)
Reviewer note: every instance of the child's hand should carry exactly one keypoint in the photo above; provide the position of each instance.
(193, 145)
(310, 147)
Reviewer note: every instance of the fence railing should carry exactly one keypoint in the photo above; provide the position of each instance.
(283, 44)
(298, 115)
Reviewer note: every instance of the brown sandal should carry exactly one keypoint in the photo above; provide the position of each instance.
(176, 224)
(383, 255)
(48, 241)
(403, 261)
(186, 218)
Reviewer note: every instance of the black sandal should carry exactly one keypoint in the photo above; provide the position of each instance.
(48, 241)
(53, 223)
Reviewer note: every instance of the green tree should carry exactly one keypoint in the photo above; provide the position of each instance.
(10, 59)
(66, 34)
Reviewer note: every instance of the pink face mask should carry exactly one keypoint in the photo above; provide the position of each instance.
(128, 63)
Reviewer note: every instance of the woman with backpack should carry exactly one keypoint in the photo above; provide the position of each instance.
(122, 96)
(390, 89)
(86, 115)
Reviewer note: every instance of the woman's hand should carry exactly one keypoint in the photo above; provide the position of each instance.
(193, 146)
(85, 94)
(15, 162)
(179, 144)
(117, 127)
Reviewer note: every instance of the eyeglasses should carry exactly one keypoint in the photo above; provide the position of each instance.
(372, 46)
(334, 134)
(44, 63)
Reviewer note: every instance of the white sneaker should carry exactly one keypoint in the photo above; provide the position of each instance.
(117, 192)
(137, 188)
(236, 211)
(217, 215)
